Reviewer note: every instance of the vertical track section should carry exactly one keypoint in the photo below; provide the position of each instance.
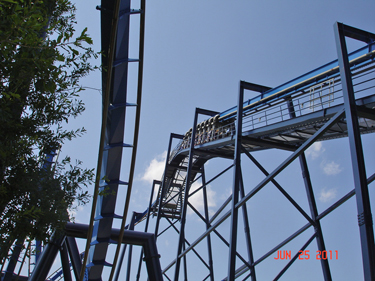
(115, 27)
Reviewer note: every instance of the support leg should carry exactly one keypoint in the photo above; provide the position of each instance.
(235, 188)
(358, 164)
(314, 214)
(207, 219)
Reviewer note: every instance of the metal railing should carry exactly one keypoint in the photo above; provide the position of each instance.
(320, 96)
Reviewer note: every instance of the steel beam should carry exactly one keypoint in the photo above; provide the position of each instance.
(155, 182)
(314, 214)
(207, 220)
(247, 233)
(186, 241)
(279, 187)
(47, 258)
(65, 261)
(17, 248)
(358, 163)
(236, 186)
(294, 258)
(131, 227)
(312, 203)
(163, 183)
(146, 240)
(218, 235)
(292, 157)
(181, 240)
(74, 256)
(342, 200)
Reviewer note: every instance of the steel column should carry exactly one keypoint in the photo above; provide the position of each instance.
(314, 214)
(181, 240)
(131, 227)
(185, 264)
(247, 232)
(146, 226)
(74, 256)
(358, 163)
(47, 258)
(207, 220)
(163, 183)
(13, 259)
(312, 203)
(218, 235)
(65, 262)
(235, 188)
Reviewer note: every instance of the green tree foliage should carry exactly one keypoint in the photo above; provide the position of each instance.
(41, 62)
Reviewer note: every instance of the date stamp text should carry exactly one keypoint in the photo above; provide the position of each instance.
(306, 255)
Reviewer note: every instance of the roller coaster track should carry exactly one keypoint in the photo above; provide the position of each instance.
(269, 125)
(115, 23)
(290, 117)
(314, 107)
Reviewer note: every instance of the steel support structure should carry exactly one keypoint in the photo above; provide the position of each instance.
(334, 117)
(314, 214)
(207, 221)
(181, 240)
(65, 262)
(236, 186)
(270, 177)
(164, 183)
(312, 203)
(359, 171)
(247, 233)
(75, 257)
(241, 142)
(17, 248)
(155, 182)
(47, 258)
(146, 240)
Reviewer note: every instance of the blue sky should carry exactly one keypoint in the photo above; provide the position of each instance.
(196, 52)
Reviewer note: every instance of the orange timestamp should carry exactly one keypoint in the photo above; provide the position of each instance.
(320, 255)
(305, 255)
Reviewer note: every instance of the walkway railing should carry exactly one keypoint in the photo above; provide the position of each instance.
(322, 95)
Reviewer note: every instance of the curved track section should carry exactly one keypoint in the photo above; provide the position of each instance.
(115, 22)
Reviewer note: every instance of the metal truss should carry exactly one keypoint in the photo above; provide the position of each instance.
(294, 118)
(318, 106)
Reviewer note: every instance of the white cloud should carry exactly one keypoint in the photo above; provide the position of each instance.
(315, 150)
(197, 199)
(155, 169)
(331, 168)
(327, 195)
